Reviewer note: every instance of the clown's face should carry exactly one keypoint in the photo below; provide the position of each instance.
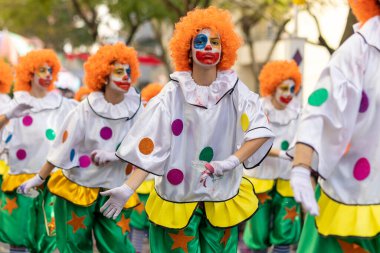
(206, 48)
(120, 78)
(285, 92)
(43, 76)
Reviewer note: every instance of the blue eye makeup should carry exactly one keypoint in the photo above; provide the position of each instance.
(50, 70)
(292, 88)
(128, 71)
(200, 41)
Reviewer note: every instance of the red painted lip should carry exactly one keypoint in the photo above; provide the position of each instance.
(286, 100)
(44, 82)
(123, 85)
(207, 58)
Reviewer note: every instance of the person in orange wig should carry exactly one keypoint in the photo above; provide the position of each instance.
(336, 140)
(28, 221)
(196, 136)
(277, 222)
(85, 151)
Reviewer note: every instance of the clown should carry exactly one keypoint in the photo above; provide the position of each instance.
(84, 150)
(196, 136)
(277, 221)
(28, 221)
(139, 219)
(336, 139)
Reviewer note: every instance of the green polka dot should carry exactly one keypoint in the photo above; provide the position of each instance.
(50, 134)
(318, 97)
(284, 145)
(206, 154)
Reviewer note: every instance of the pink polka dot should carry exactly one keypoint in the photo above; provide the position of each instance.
(27, 120)
(21, 154)
(362, 169)
(177, 127)
(84, 161)
(106, 133)
(364, 103)
(175, 176)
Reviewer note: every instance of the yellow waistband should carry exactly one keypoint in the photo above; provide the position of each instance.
(347, 220)
(146, 187)
(4, 168)
(220, 214)
(261, 185)
(80, 195)
(11, 181)
(283, 187)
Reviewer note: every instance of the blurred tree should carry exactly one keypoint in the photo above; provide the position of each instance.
(53, 21)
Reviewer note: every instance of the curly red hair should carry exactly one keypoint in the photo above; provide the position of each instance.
(6, 77)
(99, 66)
(190, 25)
(30, 63)
(150, 91)
(365, 9)
(83, 91)
(275, 72)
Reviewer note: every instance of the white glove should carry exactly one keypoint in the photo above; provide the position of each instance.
(18, 111)
(282, 154)
(101, 157)
(218, 168)
(33, 182)
(118, 197)
(303, 189)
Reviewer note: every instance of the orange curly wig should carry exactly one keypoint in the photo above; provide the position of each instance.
(365, 9)
(30, 63)
(99, 66)
(150, 91)
(187, 28)
(6, 77)
(275, 72)
(83, 91)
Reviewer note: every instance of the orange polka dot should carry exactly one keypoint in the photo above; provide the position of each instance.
(128, 169)
(64, 136)
(146, 146)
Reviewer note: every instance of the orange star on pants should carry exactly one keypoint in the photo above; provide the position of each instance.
(76, 222)
(263, 197)
(140, 208)
(351, 247)
(291, 213)
(10, 205)
(124, 224)
(51, 225)
(226, 236)
(180, 240)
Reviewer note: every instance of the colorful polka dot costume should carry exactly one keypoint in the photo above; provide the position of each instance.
(96, 124)
(29, 139)
(187, 126)
(340, 123)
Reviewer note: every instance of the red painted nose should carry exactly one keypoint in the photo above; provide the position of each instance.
(208, 47)
(125, 78)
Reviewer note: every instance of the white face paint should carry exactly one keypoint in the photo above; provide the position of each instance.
(206, 48)
(120, 78)
(43, 77)
(285, 92)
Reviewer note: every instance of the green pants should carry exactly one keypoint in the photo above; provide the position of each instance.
(312, 242)
(28, 222)
(276, 222)
(75, 225)
(139, 219)
(198, 237)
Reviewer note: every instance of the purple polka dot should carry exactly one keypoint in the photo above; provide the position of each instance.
(27, 120)
(362, 169)
(84, 161)
(177, 127)
(175, 176)
(21, 154)
(364, 103)
(106, 133)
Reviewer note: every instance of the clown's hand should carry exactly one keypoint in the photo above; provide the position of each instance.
(118, 197)
(282, 154)
(101, 157)
(218, 168)
(18, 111)
(303, 189)
(33, 182)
